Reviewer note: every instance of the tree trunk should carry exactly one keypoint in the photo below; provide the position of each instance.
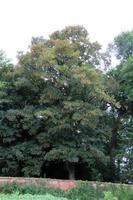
(44, 175)
(71, 170)
(113, 145)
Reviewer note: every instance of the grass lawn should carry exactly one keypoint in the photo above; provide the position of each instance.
(29, 197)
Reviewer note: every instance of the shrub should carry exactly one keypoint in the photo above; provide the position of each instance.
(83, 191)
(109, 196)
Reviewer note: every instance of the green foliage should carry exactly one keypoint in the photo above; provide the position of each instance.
(83, 191)
(57, 106)
(123, 114)
(123, 45)
(109, 196)
(126, 74)
(89, 52)
(56, 101)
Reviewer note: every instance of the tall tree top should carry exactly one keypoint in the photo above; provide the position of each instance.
(123, 45)
(77, 38)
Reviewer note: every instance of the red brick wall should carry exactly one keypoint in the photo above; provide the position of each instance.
(64, 185)
(52, 183)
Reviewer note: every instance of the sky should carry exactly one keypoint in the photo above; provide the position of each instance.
(22, 19)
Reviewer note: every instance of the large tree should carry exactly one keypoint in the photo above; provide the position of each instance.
(58, 100)
(122, 134)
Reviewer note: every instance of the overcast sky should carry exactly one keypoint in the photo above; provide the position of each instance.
(22, 19)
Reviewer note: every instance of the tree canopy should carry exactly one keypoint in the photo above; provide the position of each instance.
(59, 111)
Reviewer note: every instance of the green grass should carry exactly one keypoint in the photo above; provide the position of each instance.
(16, 196)
(83, 191)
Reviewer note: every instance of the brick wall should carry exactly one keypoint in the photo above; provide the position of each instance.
(51, 183)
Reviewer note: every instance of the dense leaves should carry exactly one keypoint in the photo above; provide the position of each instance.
(58, 109)
(123, 45)
(123, 74)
